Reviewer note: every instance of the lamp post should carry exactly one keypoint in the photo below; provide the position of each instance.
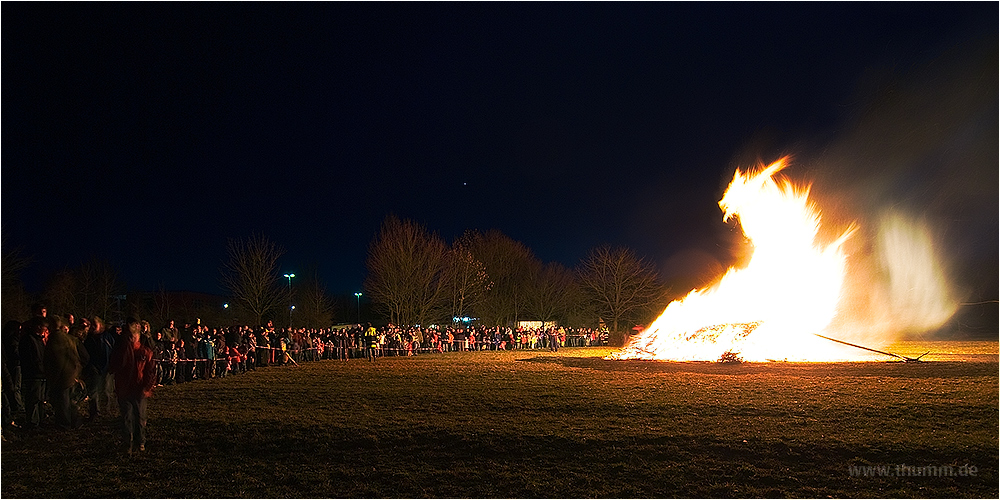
(290, 306)
(358, 295)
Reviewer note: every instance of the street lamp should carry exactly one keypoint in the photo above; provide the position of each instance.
(358, 295)
(290, 306)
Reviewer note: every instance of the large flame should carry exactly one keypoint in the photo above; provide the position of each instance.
(769, 309)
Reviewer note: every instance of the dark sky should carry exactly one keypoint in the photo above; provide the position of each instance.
(148, 134)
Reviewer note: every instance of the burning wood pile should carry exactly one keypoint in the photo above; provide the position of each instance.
(779, 304)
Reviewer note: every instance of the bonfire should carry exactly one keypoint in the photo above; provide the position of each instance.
(774, 307)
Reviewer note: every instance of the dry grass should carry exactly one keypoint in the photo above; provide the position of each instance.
(537, 424)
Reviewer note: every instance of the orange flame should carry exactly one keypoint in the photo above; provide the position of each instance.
(769, 309)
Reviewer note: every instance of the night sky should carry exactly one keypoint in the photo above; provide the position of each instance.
(148, 134)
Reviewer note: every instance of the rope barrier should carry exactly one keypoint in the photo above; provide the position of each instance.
(444, 347)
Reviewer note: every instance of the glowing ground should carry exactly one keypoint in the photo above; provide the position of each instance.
(538, 424)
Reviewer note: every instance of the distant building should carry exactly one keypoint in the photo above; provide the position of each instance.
(536, 324)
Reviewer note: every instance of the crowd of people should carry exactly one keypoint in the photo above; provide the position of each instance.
(52, 364)
(81, 366)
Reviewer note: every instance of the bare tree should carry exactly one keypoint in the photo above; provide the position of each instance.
(314, 309)
(550, 292)
(251, 275)
(622, 286)
(508, 265)
(467, 278)
(15, 299)
(581, 312)
(407, 273)
(61, 292)
(152, 306)
(14, 261)
(96, 285)
(161, 305)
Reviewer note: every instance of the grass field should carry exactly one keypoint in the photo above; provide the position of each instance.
(541, 425)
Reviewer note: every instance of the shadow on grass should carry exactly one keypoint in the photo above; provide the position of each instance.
(271, 459)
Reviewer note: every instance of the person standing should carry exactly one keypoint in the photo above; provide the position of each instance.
(372, 340)
(62, 369)
(268, 342)
(169, 333)
(169, 363)
(183, 363)
(100, 385)
(206, 351)
(221, 353)
(250, 339)
(337, 338)
(135, 376)
(31, 347)
(78, 393)
(191, 355)
(344, 345)
(146, 332)
(160, 357)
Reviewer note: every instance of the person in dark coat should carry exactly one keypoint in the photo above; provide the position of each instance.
(79, 332)
(62, 370)
(31, 347)
(100, 385)
(170, 333)
(135, 376)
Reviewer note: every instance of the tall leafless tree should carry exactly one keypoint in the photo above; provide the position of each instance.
(313, 309)
(87, 290)
(622, 286)
(407, 273)
(508, 265)
(550, 292)
(61, 292)
(97, 283)
(467, 278)
(250, 273)
(161, 306)
(15, 298)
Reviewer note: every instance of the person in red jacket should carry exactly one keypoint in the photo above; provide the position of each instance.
(134, 369)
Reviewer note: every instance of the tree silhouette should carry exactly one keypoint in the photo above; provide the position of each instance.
(97, 283)
(250, 273)
(622, 286)
(467, 278)
(550, 293)
(313, 307)
(508, 264)
(407, 273)
(15, 299)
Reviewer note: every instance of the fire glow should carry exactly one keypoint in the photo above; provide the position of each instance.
(770, 309)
